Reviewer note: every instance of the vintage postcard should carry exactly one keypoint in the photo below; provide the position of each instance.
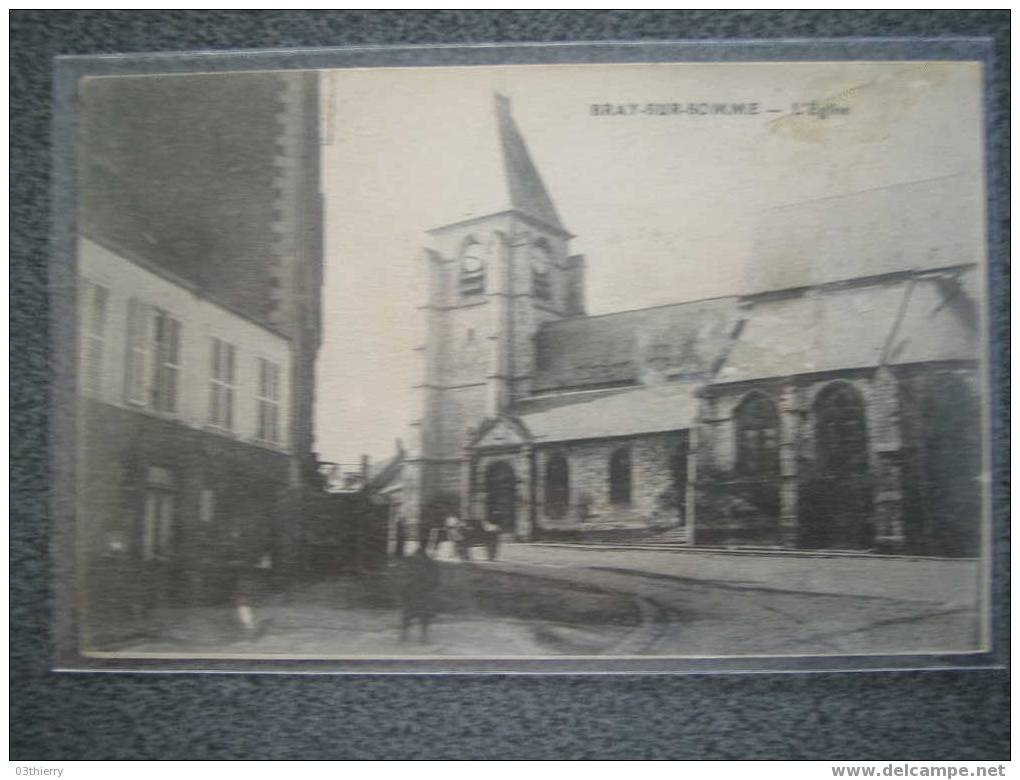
(591, 366)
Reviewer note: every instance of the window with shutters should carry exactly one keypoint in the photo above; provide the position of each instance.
(267, 400)
(167, 350)
(138, 354)
(94, 305)
(223, 357)
(154, 358)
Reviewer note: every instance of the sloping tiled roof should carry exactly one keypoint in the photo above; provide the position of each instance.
(899, 322)
(682, 340)
(620, 412)
(915, 225)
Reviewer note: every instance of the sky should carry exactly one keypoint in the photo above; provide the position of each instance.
(663, 206)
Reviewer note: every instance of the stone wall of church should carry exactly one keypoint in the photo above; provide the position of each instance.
(455, 412)
(653, 496)
(730, 508)
(773, 509)
(802, 506)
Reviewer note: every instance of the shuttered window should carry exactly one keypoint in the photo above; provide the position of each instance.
(267, 401)
(153, 359)
(223, 357)
(94, 306)
(167, 349)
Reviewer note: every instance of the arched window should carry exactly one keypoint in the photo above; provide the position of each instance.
(757, 427)
(557, 486)
(840, 433)
(472, 269)
(541, 262)
(619, 476)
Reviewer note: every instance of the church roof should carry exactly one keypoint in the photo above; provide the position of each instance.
(930, 318)
(500, 175)
(627, 411)
(683, 340)
(912, 226)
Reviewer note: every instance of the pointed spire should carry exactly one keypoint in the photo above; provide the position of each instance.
(525, 187)
(501, 176)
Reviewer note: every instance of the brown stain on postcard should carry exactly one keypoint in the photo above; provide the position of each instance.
(865, 112)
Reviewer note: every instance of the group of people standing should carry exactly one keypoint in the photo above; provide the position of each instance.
(421, 575)
(419, 579)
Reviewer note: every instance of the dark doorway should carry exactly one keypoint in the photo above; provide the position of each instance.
(501, 495)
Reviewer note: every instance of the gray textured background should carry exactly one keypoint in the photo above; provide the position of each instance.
(903, 715)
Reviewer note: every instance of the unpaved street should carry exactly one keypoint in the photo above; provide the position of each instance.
(563, 600)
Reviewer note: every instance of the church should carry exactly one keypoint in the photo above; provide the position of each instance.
(833, 404)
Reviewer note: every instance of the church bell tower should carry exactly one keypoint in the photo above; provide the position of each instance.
(496, 272)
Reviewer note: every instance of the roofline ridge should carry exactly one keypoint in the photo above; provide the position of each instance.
(547, 394)
(734, 296)
(170, 276)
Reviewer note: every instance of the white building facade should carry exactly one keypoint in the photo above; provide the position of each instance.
(186, 452)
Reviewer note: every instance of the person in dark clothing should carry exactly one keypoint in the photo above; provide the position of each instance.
(401, 538)
(419, 592)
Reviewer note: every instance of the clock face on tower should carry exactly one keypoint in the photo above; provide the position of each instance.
(472, 260)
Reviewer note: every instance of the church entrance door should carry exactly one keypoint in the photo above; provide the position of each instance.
(501, 495)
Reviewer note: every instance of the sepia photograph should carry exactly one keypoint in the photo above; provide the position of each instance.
(659, 361)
